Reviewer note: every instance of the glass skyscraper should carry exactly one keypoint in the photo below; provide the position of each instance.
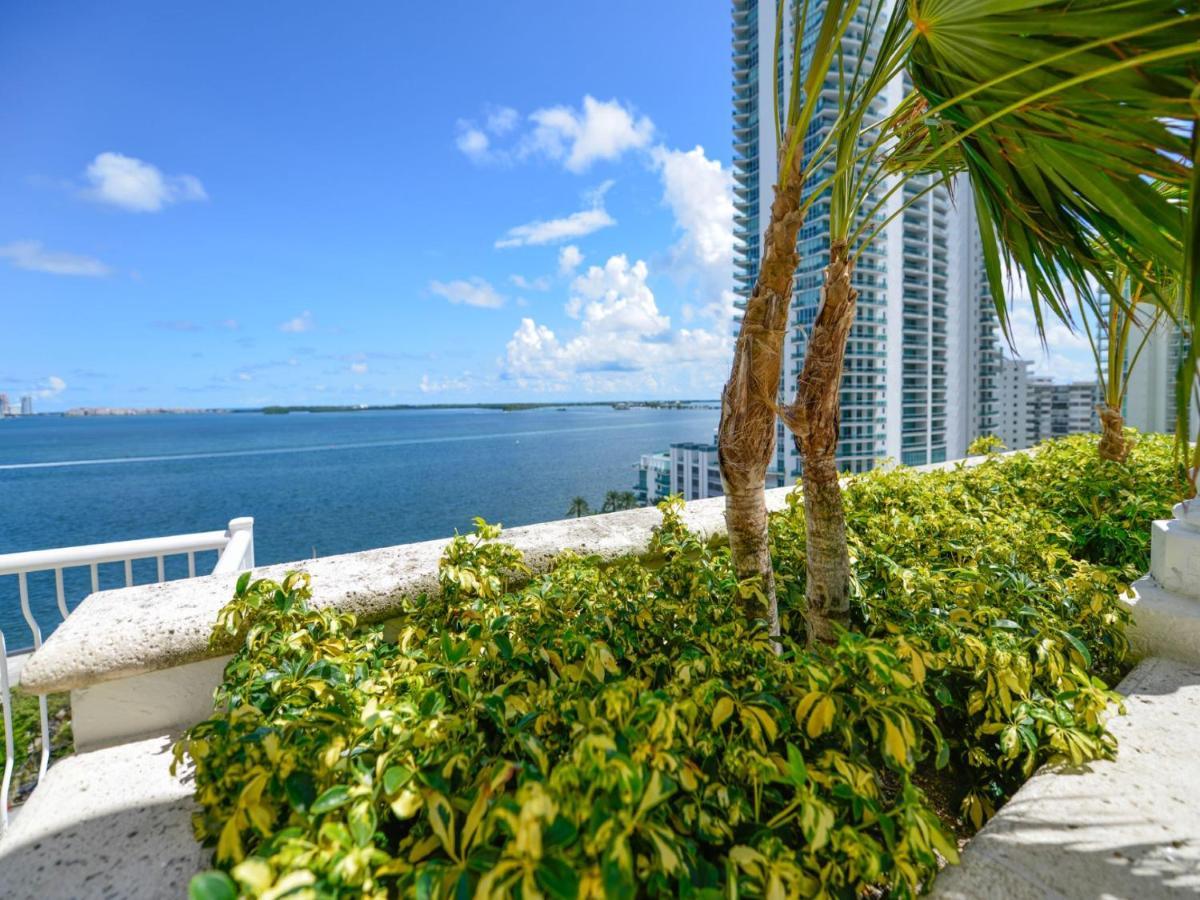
(922, 358)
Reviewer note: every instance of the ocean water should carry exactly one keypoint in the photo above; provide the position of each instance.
(316, 484)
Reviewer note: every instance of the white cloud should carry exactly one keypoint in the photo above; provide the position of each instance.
(471, 292)
(624, 342)
(600, 131)
(33, 256)
(439, 385)
(358, 368)
(551, 231)
(699, 193)
(569, 259)
(50, 387)
(299, 324)
(137, 186)
(541, 283)
(473, 142)
(616, 298)
(502, 119)
(1066, 355)
(245, 376)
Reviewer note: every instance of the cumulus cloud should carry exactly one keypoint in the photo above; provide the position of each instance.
(358, 368)
(541, 283)
(469, 292)
(569, 259)
(430, 385)
(624, 341)
(474, 140)
(299, 324)
(1065, 355)
(502, 119)
(699, 193)
(473, 143)
(575, 137)
(551, 231)
(50, 387)
(31, 255)
(601, 130)
(137, 186)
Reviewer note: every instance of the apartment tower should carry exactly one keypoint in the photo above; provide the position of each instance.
(922, 360)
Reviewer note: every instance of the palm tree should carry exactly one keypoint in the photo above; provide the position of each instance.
(1077, 123)
(746, 433)
(1056, 109)
(1111, 350)
(579, 507)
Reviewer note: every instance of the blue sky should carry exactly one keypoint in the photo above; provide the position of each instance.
(240, 204)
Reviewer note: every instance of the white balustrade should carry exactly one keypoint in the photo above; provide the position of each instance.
(235, 553)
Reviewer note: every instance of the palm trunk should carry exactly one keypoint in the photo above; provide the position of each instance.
(1113, 445)
(746, 435)
(817, 397)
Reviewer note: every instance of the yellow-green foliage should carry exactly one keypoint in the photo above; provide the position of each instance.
(616, 729)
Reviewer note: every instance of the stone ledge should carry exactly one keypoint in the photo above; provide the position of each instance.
(1164, 623)
(111, 823)
(115, 634)
(1127, 828)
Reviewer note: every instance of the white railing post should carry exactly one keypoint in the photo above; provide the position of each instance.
(246, 524)
(1166, 602)
(235, 553)
(9, 747)
(238, 555)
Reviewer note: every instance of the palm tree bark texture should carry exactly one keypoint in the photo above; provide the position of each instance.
(1113, 446)
(819, 423)
(746, 434)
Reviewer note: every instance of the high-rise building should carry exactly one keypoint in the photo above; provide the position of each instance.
(5, 409)
(1032, 408)
(1016, 425)
(922, 358)
(1152, 380)
(27, 405)
(1062, 409)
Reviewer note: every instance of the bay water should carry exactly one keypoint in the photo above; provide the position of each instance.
(316, 484)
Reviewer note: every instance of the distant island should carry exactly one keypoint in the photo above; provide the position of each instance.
(133, 411)
(501, 407)
(284, 410)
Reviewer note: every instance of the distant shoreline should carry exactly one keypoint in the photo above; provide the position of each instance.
(279, 410)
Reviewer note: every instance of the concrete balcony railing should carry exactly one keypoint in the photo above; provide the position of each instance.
(139, 668)
(235, 552)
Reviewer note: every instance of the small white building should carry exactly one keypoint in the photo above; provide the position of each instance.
(654, 478)
(695, 471)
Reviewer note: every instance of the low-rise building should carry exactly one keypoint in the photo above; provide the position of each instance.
(695, 471)
(654, 478)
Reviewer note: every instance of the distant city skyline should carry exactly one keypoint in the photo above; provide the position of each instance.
(376, 209)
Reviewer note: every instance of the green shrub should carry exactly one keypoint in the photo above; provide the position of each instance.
(615, 729)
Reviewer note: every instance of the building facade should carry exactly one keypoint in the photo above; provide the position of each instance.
(695, 471)
(654, 478)
(1154, 376)
(922, 360)
(688, 469)
(27, 405)
(1032, 408)
(5, 409)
